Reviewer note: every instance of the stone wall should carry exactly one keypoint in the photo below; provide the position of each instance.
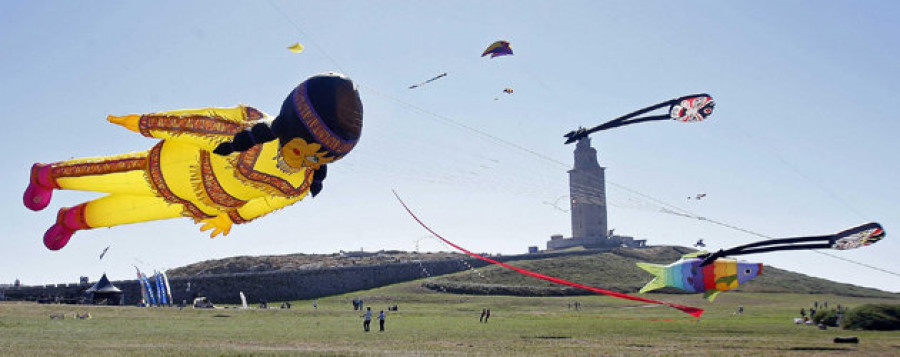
(262, 286)
(279, 286)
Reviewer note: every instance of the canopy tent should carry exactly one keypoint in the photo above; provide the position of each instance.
(105, 293)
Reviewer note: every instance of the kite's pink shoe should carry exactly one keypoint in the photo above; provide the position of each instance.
(68, 220)
(40, 188)
(57, 237)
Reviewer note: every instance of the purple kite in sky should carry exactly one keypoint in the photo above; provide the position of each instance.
(498, 48)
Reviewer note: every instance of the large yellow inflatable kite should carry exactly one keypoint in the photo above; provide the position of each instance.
(216, 165)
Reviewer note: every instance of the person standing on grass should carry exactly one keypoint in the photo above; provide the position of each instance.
(367, 319)
(483, 312)
(487, 316)
(381, 321)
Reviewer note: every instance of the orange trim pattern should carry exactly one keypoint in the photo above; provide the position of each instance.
(252, 114)
(155, 175)
(97, 168)
(194, 124)
(236, 217)
(247, 160)
(211, 185)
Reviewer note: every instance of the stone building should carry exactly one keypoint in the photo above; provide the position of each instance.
(587, 199)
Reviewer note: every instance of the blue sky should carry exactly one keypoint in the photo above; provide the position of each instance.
(803, 140)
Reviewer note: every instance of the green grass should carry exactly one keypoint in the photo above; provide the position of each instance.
(433, 323)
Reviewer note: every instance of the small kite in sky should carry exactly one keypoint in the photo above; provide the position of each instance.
(497, 49)
(104, 252)
(442, 75)
(296, 48)
(505, 91)
(698, 196)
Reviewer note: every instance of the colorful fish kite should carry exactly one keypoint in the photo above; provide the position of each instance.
(296, 48)
(712, 279)
(693, 311)
(711, 273)
(218, 166)
(497, 49)
(690, 108)
(442, 75)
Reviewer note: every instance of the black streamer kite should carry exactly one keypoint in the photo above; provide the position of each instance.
(860, 236)
(690, 108)
(417, 85)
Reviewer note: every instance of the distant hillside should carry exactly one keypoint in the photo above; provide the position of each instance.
(616, 270)
(300, 261)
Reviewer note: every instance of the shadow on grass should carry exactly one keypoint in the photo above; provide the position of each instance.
(816, 349)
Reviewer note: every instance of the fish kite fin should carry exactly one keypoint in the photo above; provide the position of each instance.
(728, 280)
(711, 294)
(659, 280)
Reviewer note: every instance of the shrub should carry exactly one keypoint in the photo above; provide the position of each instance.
(827, 317)
(881, 317)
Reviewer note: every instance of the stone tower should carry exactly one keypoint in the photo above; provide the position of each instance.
(587, 190)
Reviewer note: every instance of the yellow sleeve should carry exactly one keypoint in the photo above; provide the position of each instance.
(259, 207)
(204, 127)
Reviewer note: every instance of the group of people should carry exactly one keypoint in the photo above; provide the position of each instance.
(357, 304)
(807, 316)
(485, 315)
(367, 320)
(812, 310)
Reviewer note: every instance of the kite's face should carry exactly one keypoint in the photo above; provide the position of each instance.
(298, 153)
(693, 109)
(748, 271)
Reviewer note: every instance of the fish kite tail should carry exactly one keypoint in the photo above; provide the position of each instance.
(659, 273)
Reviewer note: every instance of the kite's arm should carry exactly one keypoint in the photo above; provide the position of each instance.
(262, 206)
(205, 127)
(251, 210)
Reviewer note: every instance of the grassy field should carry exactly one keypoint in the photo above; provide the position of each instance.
(432, 323)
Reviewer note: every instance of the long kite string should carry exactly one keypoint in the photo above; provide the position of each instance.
(693, 311)
(678, 211)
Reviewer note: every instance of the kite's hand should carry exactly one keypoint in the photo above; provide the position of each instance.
(219, 224)
(130, 122)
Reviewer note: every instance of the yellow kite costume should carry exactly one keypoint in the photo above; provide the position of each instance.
(216, 165)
